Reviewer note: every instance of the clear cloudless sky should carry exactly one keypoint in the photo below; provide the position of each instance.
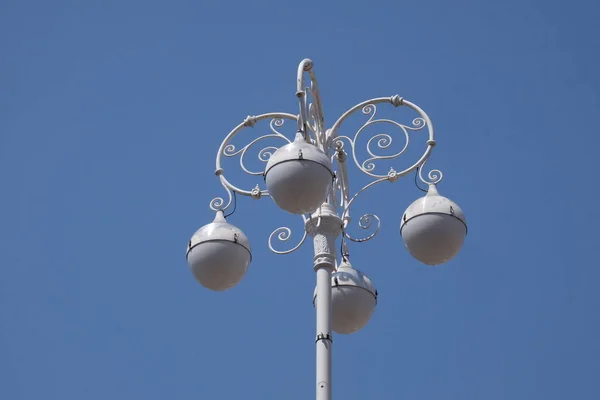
(111, 113)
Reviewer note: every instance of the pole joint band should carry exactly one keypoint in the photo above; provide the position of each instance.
(324, 336)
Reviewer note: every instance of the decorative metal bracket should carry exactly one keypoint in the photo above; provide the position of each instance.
(339, 147)
(367, 166)
(227, 149)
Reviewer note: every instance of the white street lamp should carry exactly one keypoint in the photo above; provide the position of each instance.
(308, 176)
(353, 298)
(433, 228)
(219, 254)
(299, 176)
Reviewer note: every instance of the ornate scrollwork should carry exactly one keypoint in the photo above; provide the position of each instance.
(366, 222)
(263, 155)
(311, 122)
(311, 111)
(315, 121)
(434, 176)
(337, 192)
(218, 203)
(283, 234)
(340, 189)
(375, 144)
(383, 141)
(228, 149)
(341, 197)
(379, 147)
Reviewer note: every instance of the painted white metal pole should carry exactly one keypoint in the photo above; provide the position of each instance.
(324, 226)
(324, 339)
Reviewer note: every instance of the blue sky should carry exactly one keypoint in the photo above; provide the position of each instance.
(110, 117)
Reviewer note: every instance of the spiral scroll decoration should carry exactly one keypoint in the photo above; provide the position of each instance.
(264, 154)
(434, 176)
(338, 147)
(283, 234)
(382, 141)
(218, 203)
(366, 222)
(227, 149)
(374, 146)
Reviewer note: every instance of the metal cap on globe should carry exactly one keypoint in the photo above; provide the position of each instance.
(433, 228)
(298, 176)
(353, 299)
(219, 254)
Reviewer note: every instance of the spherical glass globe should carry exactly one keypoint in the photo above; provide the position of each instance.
(353, 299)
(219, 254)
(433, 228)
(299, 176)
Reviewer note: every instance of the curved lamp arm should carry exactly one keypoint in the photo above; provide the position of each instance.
(229, 150)
(312, 125)
(311, 119)
(369, 164)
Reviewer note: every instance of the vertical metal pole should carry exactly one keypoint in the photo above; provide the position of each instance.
(324, 226)
(324, 339)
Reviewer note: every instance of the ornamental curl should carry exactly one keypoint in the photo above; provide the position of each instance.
(368, 109)
(366, 222)
(434, 176)
(266, 153)
(418, 123)
(218, 203)
(263, 154)
(283, 234)
(382, 141)
(227, 149)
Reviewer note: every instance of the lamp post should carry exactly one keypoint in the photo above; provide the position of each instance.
(308, 176)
